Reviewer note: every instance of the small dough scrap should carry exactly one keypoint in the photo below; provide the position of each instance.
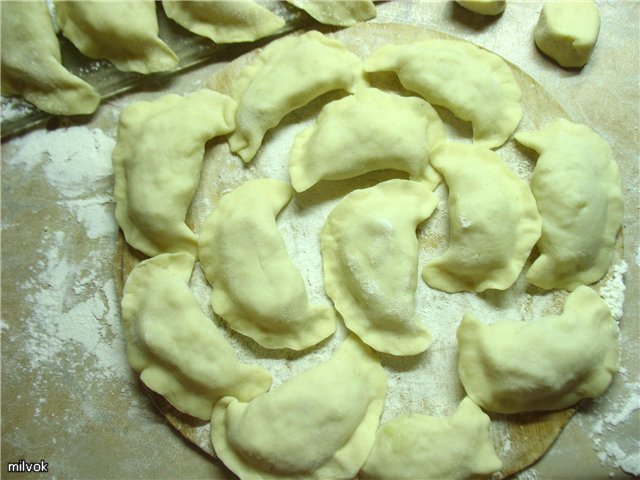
(370, 257)
(410, 447)
(286, 75)
(547, 364)
(178, 350)
(157, 162)
(493, 222)
(224, 22)
(475, 84)
(576, 183)
(484, 7)
(370, 130)
(32, 63)
(125, 33)
(341, 13)
(568, 31)
(320, 424)
(257, 289)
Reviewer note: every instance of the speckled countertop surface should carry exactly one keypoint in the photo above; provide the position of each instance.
(68, 396)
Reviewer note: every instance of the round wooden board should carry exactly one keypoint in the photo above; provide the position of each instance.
(529, 435)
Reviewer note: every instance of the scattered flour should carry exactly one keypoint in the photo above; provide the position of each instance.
(612, 292)
(71, 306)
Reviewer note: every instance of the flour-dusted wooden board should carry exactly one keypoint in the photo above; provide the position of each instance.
(520, 439)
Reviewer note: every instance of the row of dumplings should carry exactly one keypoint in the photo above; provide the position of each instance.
(31, 58)
(324, 422)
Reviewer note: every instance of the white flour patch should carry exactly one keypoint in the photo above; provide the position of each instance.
(73, 321)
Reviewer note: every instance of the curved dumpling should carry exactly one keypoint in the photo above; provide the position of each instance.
(547, 364)
(224, 22)
(320, 424)
(493, 222)
(476, 85)
(341, 13)
(178, 350)
(31, 63)
(157, 164)
(458, 447)
(370, 130)
(576, 184)
(484, 7)
(370, 257)
(257, 290)
(286, 75)
(125, 33)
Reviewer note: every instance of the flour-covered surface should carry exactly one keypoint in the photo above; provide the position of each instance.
(68, 396)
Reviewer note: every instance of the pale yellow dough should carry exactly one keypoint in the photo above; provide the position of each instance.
(125, 33)
(567, 31)
(286, 75)
(576, 183)
(157, 162)
(413, 447)
(224, 21)
(493, 221)
(257, 289)
(31, 63)
(476, 85)
(341, 13)
(370, 258)
(178, 350)
(320, 424)
(370, 130)
(484, 7)
(546, 364)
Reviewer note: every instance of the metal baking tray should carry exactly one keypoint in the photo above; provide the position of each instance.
(18, 115)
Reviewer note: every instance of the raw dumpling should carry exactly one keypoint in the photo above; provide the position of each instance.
(493, 222)
(458, 447)
(157, 164)
(484, 7)
(341, 13)
(370, 256)
(178, 350)
(576, 184)
(547, 364)
(568, 31)
(125, 33)
(286, 75)
(257, 290)
(370, 130)
(226, 21)
(317, 425)
(31, 63)
(476, 85)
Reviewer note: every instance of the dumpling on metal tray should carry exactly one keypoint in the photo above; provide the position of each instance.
(224, 22)
(125, 33)
(342, 13)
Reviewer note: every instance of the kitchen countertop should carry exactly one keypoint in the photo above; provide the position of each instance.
(68, 396)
